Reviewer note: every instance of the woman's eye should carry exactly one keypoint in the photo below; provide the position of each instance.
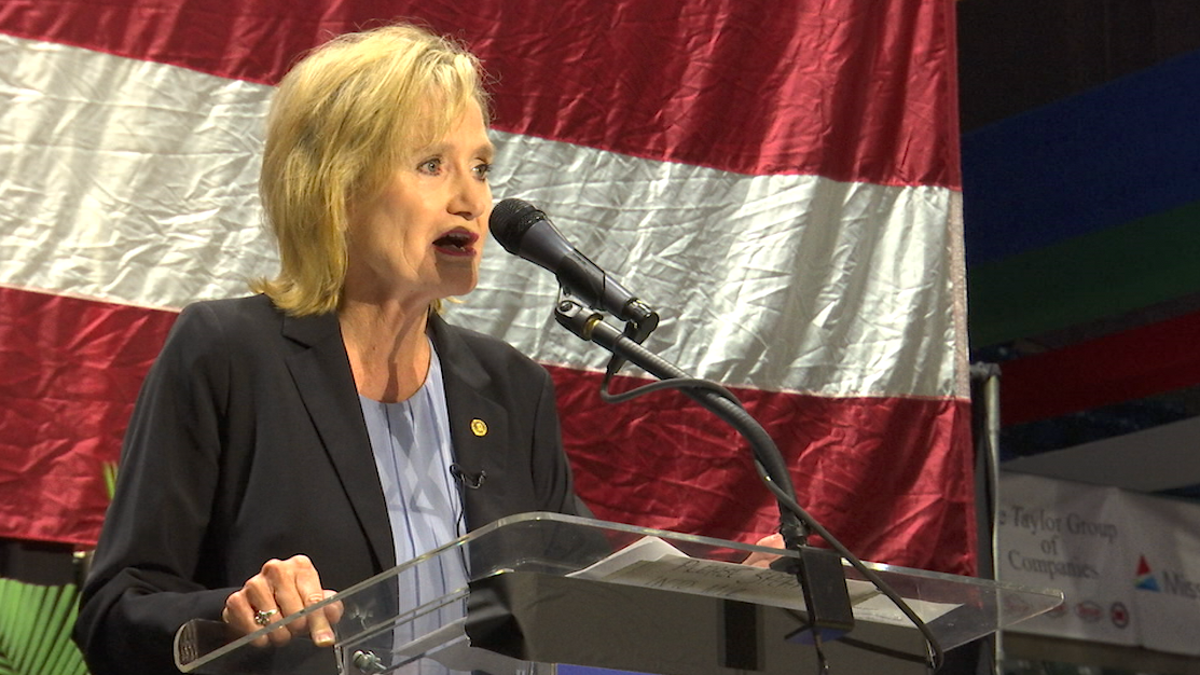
(482, 171)
(430, 166)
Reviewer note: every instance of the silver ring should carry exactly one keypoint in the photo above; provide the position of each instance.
(263, 616)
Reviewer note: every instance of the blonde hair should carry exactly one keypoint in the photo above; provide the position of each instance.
(338, 125)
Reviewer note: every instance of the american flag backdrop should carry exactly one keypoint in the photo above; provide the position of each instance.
(780, 180)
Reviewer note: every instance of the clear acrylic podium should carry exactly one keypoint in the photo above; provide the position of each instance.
(527, 593)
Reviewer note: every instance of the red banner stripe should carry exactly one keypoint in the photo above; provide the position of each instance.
(1069, 380)
(753, 89)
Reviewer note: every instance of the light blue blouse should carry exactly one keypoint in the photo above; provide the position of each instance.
(411, 443)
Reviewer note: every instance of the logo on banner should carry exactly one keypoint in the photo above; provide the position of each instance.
(1144, 579)
(1089, 611)
(1172, 582)
(1119, 614)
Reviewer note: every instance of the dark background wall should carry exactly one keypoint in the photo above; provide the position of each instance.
(1081, 164)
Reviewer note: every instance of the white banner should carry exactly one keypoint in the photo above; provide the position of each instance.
(1166, 578)
(1126, 562)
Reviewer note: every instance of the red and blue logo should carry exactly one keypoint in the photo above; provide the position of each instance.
(1145, 579)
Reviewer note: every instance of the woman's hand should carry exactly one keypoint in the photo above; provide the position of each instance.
(282, 588)
(757, 559)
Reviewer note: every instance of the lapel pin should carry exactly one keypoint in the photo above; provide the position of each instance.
(479, 427)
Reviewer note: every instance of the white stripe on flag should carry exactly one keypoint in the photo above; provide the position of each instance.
(773, 282)
(128, 181)
(135, 182)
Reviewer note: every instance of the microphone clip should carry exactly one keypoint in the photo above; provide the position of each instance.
(573, 316)
(471, 481)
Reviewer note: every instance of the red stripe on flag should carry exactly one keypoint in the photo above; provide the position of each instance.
(889, 477)
(1069, 380)
(72, 369)
(852, 91)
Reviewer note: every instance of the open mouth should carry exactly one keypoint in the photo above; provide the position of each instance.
(456, 242)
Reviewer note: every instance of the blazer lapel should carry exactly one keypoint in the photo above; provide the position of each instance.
(323, 377)
(478, 425)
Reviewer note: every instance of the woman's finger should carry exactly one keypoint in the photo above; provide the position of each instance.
(239, 614)
(757, 559)
(309, 592)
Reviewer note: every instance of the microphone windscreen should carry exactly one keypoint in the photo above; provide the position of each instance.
(510, 220)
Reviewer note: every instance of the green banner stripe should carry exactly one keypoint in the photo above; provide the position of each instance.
(1103, 274)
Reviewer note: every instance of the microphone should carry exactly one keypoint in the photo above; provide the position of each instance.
(466, 478)
(524, 230)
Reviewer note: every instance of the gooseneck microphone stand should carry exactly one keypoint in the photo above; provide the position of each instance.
(818, 571)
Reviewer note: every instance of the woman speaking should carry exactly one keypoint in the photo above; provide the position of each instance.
(308, 437)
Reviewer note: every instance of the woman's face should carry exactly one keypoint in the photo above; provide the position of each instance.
(421, 238)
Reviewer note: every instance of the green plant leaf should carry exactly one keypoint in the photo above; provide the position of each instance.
(35, 629)
(110, 478)
(6, 666)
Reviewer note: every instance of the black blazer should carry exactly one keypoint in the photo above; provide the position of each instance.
(248, 443)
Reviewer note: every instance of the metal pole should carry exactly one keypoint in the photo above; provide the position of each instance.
(985, 395)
